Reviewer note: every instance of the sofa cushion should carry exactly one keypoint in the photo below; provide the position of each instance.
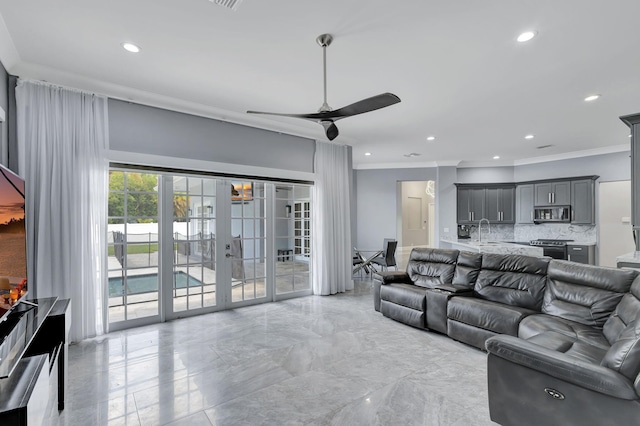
(430, 267)
(624, 355)
(487, 315)
(404, 294)
(571, 346)
(467, 269)
(542, 323)
(627, 311)
(584, 293)
(512, 279)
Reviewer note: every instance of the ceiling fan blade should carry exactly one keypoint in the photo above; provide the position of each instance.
(312, 116)
(330, 129)
(366, 105)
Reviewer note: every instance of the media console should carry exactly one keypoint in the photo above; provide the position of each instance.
(33, 361)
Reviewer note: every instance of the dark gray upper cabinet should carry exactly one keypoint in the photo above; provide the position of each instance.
(553, 193)
(470, 204)
(500, 204)
(524, 203)
(582, 202)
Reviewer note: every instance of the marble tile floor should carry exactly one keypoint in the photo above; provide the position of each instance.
(306, 361)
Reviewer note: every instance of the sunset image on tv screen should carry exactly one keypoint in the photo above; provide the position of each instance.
(13, 251)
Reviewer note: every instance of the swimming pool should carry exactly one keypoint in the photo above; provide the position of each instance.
(147, 283)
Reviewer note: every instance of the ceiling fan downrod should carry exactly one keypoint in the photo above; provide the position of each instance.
(324, 40)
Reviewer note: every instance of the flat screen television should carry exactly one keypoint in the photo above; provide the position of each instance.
(13, 242)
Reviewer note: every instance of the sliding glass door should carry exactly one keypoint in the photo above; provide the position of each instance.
(182, 245)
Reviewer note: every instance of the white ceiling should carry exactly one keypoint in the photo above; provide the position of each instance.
(456, 66)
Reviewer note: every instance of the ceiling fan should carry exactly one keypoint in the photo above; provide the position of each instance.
(326, 116)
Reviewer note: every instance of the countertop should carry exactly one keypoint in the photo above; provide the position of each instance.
(629, 259)
(500, 247)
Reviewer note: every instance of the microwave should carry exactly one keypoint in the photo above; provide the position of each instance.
(552, 214)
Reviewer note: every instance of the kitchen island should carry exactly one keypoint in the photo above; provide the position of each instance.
(500, 247)
(629, 260)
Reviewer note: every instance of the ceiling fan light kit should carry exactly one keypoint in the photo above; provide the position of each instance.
(326, 116)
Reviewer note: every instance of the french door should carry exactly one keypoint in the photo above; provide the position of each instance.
(208, 244)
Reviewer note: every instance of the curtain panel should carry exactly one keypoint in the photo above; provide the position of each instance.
(62, 144)
(331, 223)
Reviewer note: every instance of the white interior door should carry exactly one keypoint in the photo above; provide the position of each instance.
(614, 221)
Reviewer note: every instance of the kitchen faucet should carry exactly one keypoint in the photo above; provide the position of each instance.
(480, 228)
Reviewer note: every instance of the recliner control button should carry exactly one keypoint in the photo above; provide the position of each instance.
(554, 393)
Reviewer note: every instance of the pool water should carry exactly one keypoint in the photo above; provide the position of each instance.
(148, 283)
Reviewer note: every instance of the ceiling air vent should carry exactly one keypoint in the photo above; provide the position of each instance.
(231, 4)
(412, 154)
(543, 146)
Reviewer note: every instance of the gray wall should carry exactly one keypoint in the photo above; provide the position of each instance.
(376, 203)
(610, 167)
(148, 130)
(4, 104)
(485, 174)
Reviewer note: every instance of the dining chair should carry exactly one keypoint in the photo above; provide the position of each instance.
(388, 256)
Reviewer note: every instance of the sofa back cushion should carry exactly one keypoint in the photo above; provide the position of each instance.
(512, 279)
(583, 293)
(624, 354)
(467, 269)
(431, 267)
(626, 312)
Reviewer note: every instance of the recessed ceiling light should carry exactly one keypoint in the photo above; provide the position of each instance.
(591, 98)
(130, 47)
(529, 137)
(496, 157)
(431, 138)
(526, 36)
(367, 154)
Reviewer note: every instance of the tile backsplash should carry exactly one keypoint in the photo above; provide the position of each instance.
(562, 231)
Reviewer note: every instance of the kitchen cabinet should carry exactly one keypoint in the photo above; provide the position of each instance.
(582, 254)
(552, 193)
(470, 204)
(500, 204)
(524, 203)
(582, 203)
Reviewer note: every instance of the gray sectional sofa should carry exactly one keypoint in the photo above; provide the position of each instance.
(563, 338)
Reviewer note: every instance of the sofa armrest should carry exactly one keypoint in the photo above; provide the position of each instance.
(556, 364)
(391, 277)
(458, 290)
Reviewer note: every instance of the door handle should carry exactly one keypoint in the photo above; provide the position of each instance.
(549, 197)
(228, 255)
(469, 216)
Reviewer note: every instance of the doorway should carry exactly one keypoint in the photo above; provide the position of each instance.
(416, 221)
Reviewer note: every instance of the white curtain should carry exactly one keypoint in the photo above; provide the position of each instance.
(62, 143)
(331, 226)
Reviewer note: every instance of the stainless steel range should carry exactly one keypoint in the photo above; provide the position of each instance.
(556, 249)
